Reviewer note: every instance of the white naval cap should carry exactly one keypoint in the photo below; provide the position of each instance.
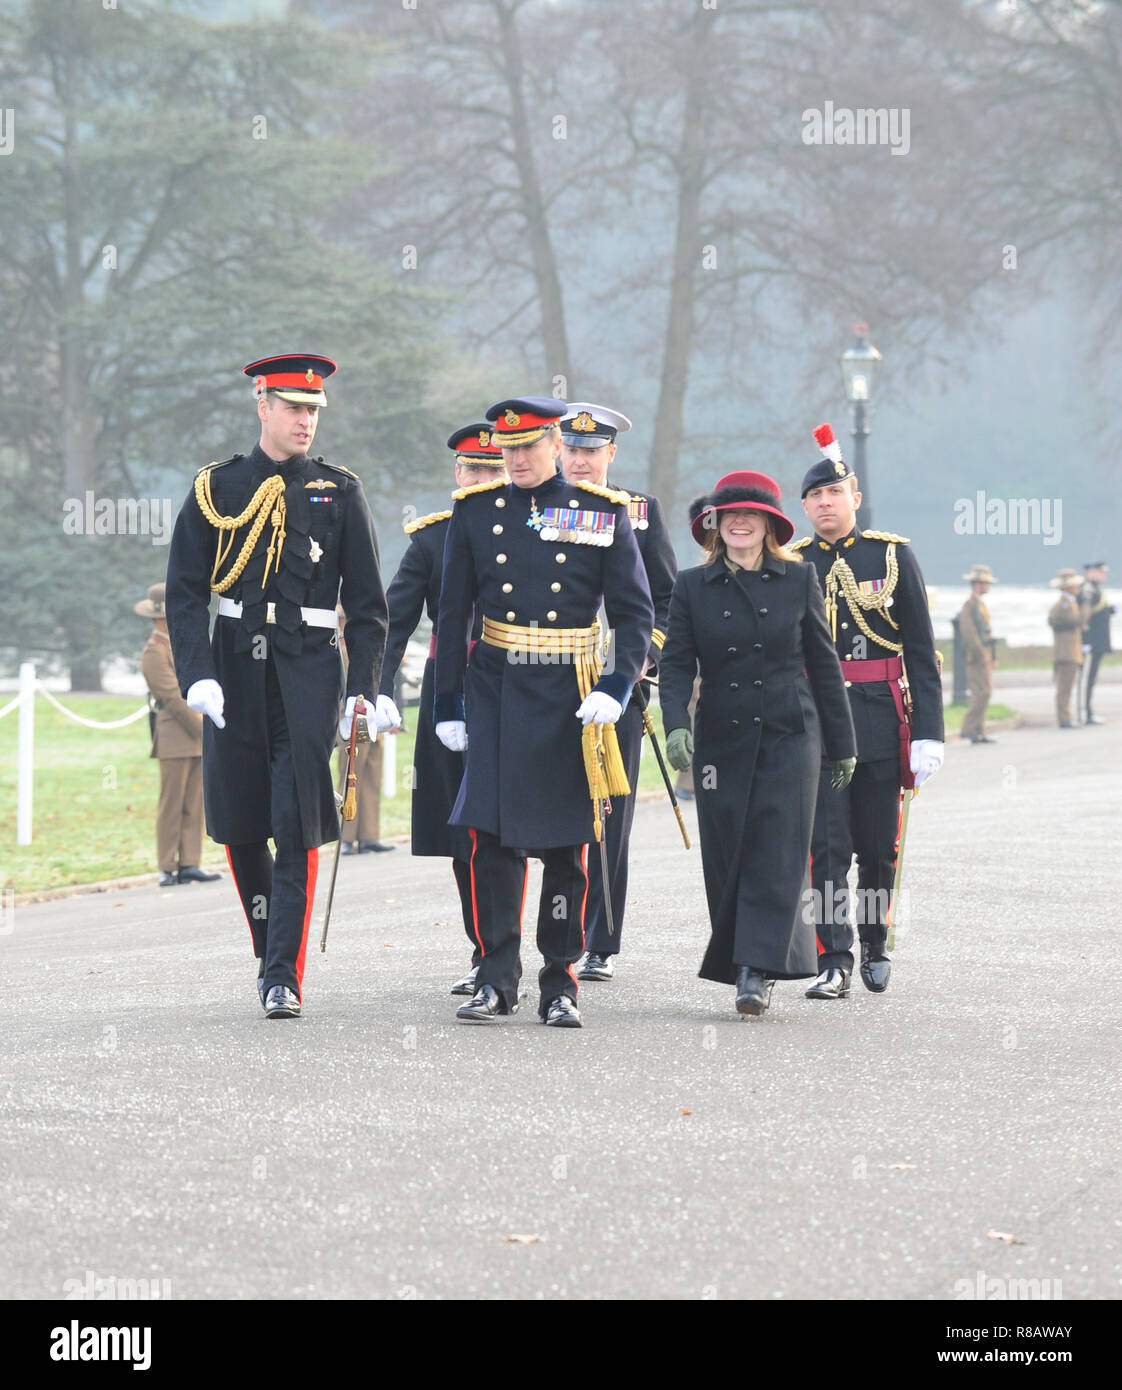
(587, 426)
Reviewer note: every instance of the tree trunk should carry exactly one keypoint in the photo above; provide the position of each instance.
(669, 414)
(554, 336)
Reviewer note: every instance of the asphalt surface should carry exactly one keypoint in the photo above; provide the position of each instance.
(156, 1127)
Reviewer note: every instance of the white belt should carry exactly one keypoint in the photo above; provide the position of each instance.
(314, 617)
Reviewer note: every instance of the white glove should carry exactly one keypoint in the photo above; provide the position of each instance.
(206, 697)
(453, 733)
(599, 708)
(386, 715)
(927, 759)
(348, 718)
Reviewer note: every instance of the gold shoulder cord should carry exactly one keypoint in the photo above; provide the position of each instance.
(842, 577)
(267, 503)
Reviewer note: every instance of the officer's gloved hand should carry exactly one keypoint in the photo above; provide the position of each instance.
(679, 749)
(387, 715)
(598, 708)
(927, 759)
(348, 719)
(206, 697)
(453, 733)
(841, 773)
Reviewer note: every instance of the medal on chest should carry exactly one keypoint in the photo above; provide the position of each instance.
(574, 525)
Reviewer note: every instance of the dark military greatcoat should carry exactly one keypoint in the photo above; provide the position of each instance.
(329, 554)
(770, 682)
(524, 778)
(437, 771)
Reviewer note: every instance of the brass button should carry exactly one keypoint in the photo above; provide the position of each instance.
(552, 616)
(507, 588)
(845, 625)
(560, 557)
(556, 586)
(500, 501)
(496, 530)
(573, 502)
(501, 559)
(510, 616)
(848, 684)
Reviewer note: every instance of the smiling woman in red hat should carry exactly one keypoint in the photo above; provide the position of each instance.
(751, 620)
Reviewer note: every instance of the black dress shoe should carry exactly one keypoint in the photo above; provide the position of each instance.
(753, 991)
(281, 1002)
(562, 1013)
(875, 968)
(374, 847)
(466, 985)
(830, 984)
(593, 966)
(486, 1005)
(167, 879)
(982, 738)
(191, 873)
(261, 980)
(348, 847)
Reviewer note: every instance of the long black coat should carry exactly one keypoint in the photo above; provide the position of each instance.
(437, 772)
(524, 779)
(770, 681)
(327, 516)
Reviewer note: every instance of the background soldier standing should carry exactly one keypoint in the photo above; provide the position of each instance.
(535, 556)
(276, 534)
(978, 648)
(415, 588)
(588, 447)
(177, 741)
(1096, 635)
(1066, 620)
(876, 603)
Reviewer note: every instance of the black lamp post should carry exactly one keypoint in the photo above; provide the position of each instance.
(859, 365)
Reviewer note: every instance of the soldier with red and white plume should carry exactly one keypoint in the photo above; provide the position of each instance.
(876, 605)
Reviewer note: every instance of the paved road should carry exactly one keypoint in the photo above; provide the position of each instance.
(155, 1127)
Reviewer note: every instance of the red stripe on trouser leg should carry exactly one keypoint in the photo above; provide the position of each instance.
(309, 899)
(583, 910)
(810, 879)
(474, 903)
(237, 890)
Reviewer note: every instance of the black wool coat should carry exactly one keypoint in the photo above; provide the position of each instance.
(771, 689)
(330, 555)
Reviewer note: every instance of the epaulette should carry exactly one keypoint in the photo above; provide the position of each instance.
(462, 492)
(885, 536)
(232, 459)
(423, 521)
(338, 467)
(801, 545)
(611, 493)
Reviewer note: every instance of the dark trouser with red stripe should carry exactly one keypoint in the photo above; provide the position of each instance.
(863, 819)
(462, 869)
(617, 835)
(498, 885)
(277, 893)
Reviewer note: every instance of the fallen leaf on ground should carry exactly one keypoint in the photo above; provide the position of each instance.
(520, 1240)
(1004, 1236)
(687, 1112)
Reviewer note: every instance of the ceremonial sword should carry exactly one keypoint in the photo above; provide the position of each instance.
(909, 793)
(648, 724)
(350, 809)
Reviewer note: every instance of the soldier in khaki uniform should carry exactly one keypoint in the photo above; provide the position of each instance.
(1067, 620)
(177, 741)
(977, 646)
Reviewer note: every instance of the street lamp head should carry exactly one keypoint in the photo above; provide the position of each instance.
(859, 365)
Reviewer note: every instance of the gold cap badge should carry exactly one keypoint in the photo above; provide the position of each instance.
(839, 468)
(512, 419)
(484, 438)
(584, 422)
(309, 376)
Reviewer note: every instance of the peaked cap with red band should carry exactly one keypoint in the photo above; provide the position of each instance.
(831, 467)
(524, 420)
(475, 446)
(746, 489)
(295, 378)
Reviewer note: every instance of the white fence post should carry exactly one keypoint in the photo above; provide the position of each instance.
(26, 751)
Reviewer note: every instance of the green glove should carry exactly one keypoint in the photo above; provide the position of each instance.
(842, 773)
(679, 749)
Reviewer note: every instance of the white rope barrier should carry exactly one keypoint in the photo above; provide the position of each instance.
(15, 704)
(92, 723)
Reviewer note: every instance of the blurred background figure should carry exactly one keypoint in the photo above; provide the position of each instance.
(1066, 621)
(363, 834)
(1096, 635)
(978, 649)
(177, 741)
